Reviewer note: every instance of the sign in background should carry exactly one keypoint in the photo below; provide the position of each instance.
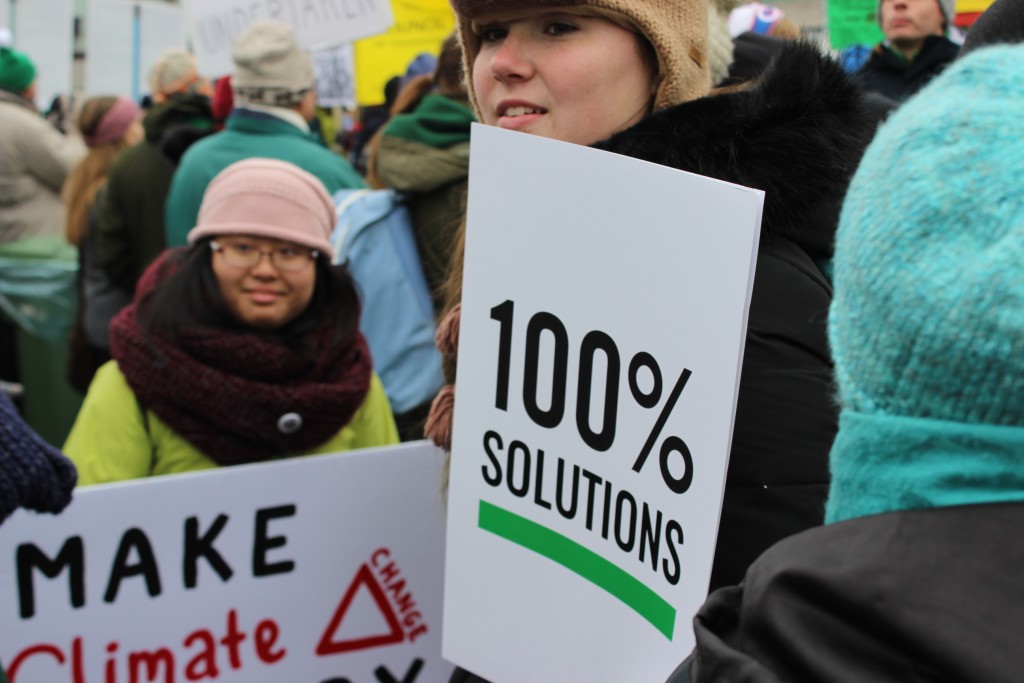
(125, 38)
(319, 569)
(214, 24)
(335, 77)
(44, 30)
(603, 320)
(420, 26)
(853, 22)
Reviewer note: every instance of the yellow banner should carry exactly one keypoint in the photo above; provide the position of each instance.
(972, 6)
(420, 26)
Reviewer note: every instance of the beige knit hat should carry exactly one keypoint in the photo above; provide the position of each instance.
(677, 29)
(269, 66)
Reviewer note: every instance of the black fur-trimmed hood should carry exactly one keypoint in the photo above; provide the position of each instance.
(798, 134)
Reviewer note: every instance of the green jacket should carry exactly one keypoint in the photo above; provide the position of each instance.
(425, 154)
(248, 133)
(113, 440)
(130, 230)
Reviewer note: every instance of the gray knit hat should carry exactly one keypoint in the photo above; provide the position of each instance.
(677, 29)
(269, 66)
(174, 72)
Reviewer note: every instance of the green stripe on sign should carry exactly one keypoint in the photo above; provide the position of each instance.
(582, 561)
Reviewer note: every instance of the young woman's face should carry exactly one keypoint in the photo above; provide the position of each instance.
(560, 75)
(271, 292)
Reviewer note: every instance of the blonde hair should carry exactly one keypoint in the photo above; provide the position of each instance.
(82, 184)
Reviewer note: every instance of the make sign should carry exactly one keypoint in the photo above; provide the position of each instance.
(318, 569)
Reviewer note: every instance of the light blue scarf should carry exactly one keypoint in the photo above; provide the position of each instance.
(883, 463)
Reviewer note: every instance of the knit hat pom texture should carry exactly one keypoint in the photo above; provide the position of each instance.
(928, 317)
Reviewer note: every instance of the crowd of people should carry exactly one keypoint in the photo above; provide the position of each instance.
(866, 527)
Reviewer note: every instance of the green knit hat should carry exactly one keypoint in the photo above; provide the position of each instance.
(17, 72)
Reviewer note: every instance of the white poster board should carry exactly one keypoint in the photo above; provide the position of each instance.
(214, 24)
(335, 76)
(124, 39)
(604, 315)
(45, 31)
(326, 568)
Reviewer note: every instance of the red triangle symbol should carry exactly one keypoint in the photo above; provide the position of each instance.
(329, 646)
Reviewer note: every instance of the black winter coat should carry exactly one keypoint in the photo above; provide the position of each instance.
(928, 595)
(888, 74)
(798, 134)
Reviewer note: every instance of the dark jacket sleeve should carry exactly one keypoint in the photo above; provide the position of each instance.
(786, 416)
(114, 233)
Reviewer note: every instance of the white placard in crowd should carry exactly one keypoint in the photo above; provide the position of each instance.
(214, 24)
(124, 39)
(335, 76)
(326, 568)
(604, 315)
(45, 31)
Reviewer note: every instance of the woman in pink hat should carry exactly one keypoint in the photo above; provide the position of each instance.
(241, 348)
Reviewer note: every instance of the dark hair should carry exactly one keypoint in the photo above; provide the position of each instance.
(190, 297)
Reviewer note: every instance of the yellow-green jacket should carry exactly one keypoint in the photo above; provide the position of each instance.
(113, 439)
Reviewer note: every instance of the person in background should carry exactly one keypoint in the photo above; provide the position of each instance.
(424, 152)
(758, 33)
(35, 157)
(915, 49)
(244, 347)
(370, 120)
(33, 474)
(108, 125)
(275, 98)
(916, 575)
(130, 227)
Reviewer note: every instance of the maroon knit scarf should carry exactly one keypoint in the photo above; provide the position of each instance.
(240, 397)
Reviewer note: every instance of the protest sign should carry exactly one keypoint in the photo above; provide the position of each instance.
(214, 24)
(335, 77)
(853, 22)
(44, 30)
(124, 39)
(420, 27)
(325, 568)
(603, 321)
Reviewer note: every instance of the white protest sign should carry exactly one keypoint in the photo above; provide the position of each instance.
(335, 76)
(214, 24)
(125, 38)
(604, 314)
(45, 31)
(326, 568)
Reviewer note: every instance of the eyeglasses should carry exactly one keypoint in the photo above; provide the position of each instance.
(241, 254)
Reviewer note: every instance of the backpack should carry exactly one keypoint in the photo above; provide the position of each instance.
(374, 237)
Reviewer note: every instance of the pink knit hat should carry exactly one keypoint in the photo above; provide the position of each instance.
(267, 198)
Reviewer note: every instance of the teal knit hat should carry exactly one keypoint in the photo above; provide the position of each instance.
(927, 324)
(17, 72)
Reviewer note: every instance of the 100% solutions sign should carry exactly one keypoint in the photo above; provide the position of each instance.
(604, 312)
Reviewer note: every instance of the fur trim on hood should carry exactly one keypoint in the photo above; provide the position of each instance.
(797, 133)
